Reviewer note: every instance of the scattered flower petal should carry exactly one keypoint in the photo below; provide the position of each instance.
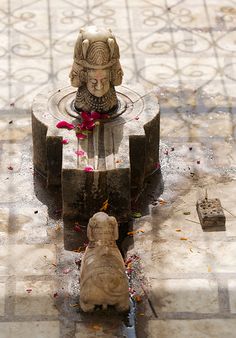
(74, 305)
(162, 201)
(96, 327)
(77, 228)
(95, 115)
(136, 118)
(80, 249)
(136, 215)
(158, 166)
(28, 290)
(88, 168)
(138, 298)
(166, 152)
(55, 295)
(10, 168)
(178, 230)
(105, 206)
(81, 136)
(66, 125)
(66, 271)
(172, 149)
(80, 152)
(10, 122)
(65, 141)
(86, 116)
(198, 162)
(183, 238)
(190, 148)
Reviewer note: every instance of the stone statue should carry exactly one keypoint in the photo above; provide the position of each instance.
(96, 70)
(103, 280)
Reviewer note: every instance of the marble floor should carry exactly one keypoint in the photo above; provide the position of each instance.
(185, 52)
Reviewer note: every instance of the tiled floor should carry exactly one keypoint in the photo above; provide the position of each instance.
(185, 51)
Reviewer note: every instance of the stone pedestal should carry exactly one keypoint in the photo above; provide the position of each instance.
(123, 151)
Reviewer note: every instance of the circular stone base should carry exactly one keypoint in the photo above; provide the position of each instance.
(121, 150)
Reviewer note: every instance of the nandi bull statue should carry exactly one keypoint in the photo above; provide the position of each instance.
(103, 280)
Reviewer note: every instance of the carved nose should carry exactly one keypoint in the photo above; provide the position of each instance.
(99, 85)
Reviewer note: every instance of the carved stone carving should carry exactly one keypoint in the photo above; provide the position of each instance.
(103, 280)
(96, 70)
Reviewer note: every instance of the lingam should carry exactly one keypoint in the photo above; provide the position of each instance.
(109, 143)
(103, 280)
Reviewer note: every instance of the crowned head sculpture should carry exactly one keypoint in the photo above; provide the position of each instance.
(96, 70)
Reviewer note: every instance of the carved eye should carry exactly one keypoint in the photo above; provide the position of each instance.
(104, 80)
(93, 81)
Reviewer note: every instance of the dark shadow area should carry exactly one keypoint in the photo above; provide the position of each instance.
(153, 187)
(50, 196)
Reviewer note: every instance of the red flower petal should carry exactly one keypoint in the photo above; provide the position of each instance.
(80, 152)
(77, 228)
(158, 165)
(81, 136)
(89, 125)
(64, 124)
(96, 116)
(86, 116)
(65, 141)
(88, 168)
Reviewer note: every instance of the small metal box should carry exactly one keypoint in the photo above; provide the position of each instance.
(211, 214)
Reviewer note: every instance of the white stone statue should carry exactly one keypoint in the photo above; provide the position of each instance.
(103, 280)
(96, 70)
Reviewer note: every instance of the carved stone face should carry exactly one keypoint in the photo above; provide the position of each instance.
(98, 81)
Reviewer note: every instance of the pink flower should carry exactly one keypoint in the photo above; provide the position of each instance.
(80, 152)
(77, 228)
(136, 118)
(158, 165)
(86, 125)
(65, 141)
(81, 136)
(86, 116)
(66, 125)
(88, 168)
(95, 115)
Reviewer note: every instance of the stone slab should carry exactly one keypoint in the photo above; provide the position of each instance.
(181, 295)
(31, 259)
(39, 301)
(36, 329)
(203, 328)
